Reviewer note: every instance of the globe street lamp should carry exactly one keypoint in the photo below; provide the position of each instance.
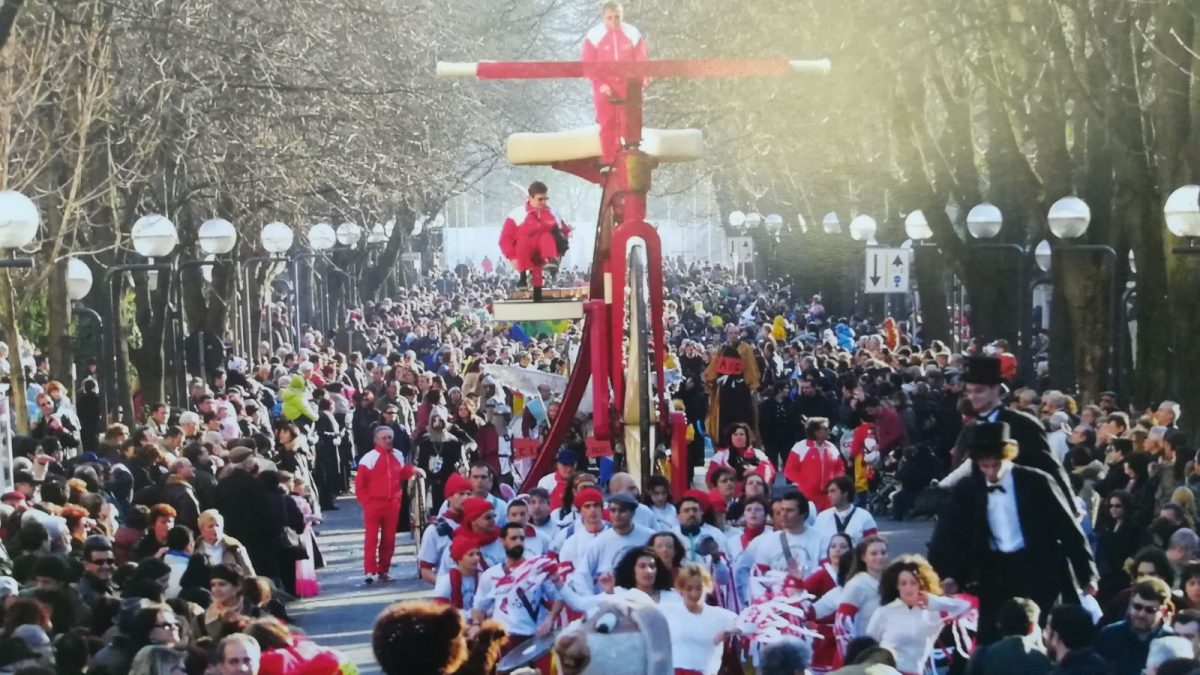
(1043, 256)
(153, 236)
(984, 222)
(349, 234)
(917, 227)
(1182, 212)
(863, 228)
(831, 224)
(1069, 219)
(19, 220)
(215, 237)
(774, 225)
(79, 284)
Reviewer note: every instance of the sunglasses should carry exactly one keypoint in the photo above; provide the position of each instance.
(1145, 609)
(104, 561)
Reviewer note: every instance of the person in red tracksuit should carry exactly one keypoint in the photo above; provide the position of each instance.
(379, 488)
(612, 40)
(527, 236)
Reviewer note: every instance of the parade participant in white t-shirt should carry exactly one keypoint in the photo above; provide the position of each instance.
(658, 490)
(555, 484)
(622, 482)
(698, 630)
(638, 572)
(793, 548)
(603, 554)
(575, 539)
(534, 543)
(481, 481)
(520, 594)
(843, 517)
(437, 536)
(479, 522)
(539, 514)
(694, 508)
(860, 595)
(457, 584)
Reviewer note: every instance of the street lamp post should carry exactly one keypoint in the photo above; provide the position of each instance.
(276, 238)
(984, 222)
(19, 220)
(321, 238)
(348, 235)
(215, 237)
(79, 284)
(153, 236)
(1069, 219)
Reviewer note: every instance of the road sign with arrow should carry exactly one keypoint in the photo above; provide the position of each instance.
(887, 270)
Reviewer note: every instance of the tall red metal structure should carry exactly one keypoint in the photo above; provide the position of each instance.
(622, 221)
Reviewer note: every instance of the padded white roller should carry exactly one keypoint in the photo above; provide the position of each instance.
(668, 145)
(459, 69)
(815, 67)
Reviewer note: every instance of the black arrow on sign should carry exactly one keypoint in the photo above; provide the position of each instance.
(898, 262)
(875, 270)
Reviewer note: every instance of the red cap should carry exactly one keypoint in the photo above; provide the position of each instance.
(456, 484)
(473, 508)
(12, 495)
(463, 543)
(697, 496)
(588, 496)
(717, 502)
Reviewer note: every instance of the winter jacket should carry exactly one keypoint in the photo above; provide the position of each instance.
(295, 401)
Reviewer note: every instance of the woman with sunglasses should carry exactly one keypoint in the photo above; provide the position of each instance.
(1118, 537)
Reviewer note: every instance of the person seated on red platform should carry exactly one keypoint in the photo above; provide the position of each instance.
(612, 40)
(534, 236)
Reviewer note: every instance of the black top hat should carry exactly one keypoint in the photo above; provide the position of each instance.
(987, 439)
(982, 370)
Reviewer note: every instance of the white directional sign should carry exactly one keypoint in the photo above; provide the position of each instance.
(741, 250)
(887, 270)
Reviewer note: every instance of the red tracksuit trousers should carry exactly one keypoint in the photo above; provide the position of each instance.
(380, 519)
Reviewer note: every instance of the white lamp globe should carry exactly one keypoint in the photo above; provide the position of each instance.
(984, 221)
(831, 224)
(916, 227)
(1182, 212)
(737, 219)
(79, 279)
(378, 235)
(217, 236)
(1043, 255)
(1069, 218)
(154, 236)
(774, 223)
(863, 228)
(322, 237)
(19, 220)
(276, 238)
(1132, 263)
(349, 234)
(753, 220)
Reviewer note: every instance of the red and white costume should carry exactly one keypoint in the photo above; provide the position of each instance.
(379, 488)
(854, 522)
(604, 45)
(827, 593)
(527, 238)
(811, 467)
(764, 466)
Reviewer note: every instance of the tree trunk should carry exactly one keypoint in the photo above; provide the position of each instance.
(8, 310)
(931, 284)
(58, 318)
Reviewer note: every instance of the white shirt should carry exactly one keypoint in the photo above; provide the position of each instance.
(690, 543)
(508, 608)
(573, 549)
(693, 645)
(443, 591)
(605, 551)
(858, 523)
(644, 517)
(666, 518)
(1002, 516)
(493, 554)
(862, 594)
(909, 632)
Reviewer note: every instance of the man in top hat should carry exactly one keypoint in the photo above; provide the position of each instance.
(983, 387)
(1009, 530)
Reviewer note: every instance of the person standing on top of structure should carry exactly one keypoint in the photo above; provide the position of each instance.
(612, 40)
(534, 236)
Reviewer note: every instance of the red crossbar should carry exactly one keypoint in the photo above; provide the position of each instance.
(542, 70)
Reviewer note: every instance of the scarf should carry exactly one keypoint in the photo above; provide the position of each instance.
(749, 534)
(456, 582)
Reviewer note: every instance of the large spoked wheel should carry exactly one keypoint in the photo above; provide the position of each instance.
(639, 396)
(417, 508)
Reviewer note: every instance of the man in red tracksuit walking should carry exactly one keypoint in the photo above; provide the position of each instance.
(379, 488)
(612, 40)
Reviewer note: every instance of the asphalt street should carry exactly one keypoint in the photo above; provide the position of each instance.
(343, 614)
